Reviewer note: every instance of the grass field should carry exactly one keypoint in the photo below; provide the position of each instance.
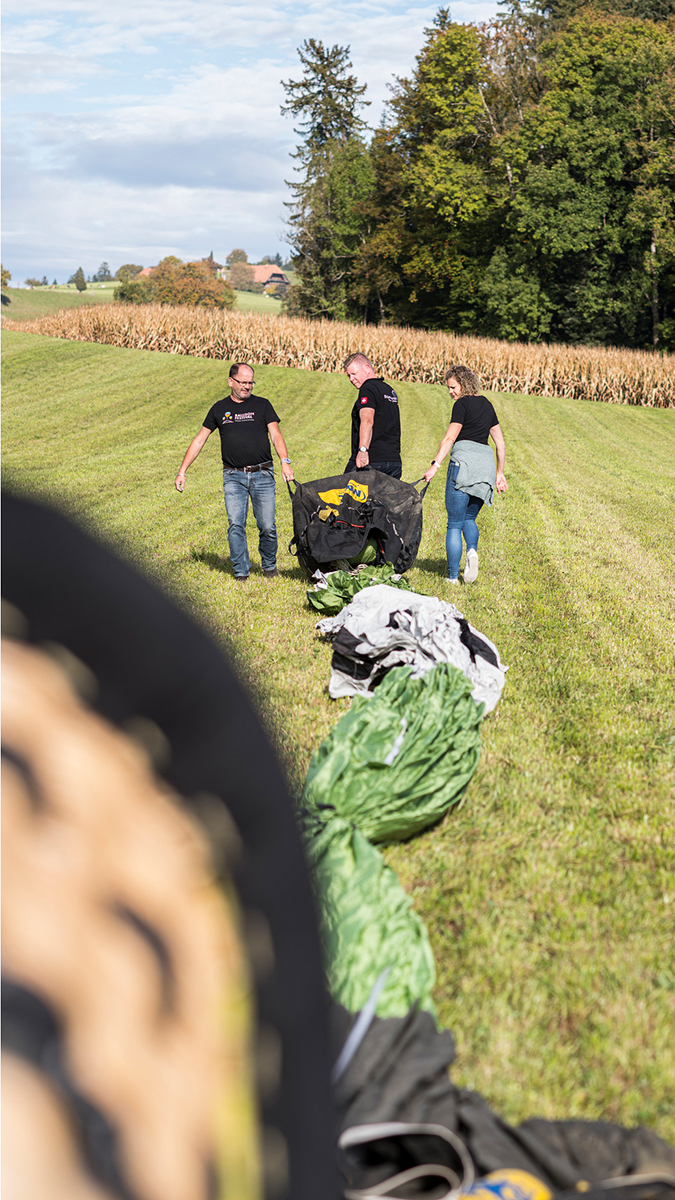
(251, 302)
(27, 303)
(550, 896)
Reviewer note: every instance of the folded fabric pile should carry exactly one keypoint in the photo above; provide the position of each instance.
(332, 591)
(383, 628)
(392, 766)
(422, 679)
(395, 764)
(367, 921)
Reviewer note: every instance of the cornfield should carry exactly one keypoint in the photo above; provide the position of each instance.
(612, 375)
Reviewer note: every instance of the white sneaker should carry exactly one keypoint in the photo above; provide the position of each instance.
(452, 581)
(471, 566)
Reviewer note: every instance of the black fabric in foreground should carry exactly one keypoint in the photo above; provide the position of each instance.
(400, 1073)
(150, 661)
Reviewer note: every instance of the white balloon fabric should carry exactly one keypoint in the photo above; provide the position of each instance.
(384, 627)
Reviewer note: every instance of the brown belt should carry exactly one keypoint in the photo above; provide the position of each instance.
(251, 470)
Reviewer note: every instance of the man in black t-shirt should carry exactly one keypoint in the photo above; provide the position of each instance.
(246, 424)
(376, 420)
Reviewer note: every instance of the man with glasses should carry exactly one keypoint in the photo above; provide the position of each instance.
(246, 424)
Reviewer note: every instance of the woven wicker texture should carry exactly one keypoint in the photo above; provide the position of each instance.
(112, 918)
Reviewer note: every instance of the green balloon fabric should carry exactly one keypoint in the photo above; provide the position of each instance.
(343, 586)
(396, 762)
(367, 922)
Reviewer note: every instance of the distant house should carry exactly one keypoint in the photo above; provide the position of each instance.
(269, 275)
(144, 273)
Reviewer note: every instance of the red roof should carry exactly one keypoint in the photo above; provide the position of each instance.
(262, 274)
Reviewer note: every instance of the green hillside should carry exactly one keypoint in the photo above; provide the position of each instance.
(26, 303)
(254, 302)
(549, 897)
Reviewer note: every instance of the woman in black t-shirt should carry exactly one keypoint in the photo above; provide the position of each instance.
(472, 476)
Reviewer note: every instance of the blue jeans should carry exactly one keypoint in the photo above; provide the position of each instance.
(238, 487)
(462, 512)
(394, 468)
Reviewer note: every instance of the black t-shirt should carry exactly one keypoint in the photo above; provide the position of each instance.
(476, 416)
(385, 444)
(244, 437)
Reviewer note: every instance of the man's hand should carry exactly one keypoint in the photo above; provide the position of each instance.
(287, 472)
(362, 459)
(197, 443)
(428, 475)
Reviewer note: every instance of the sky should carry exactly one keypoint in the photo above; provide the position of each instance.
(144, 128)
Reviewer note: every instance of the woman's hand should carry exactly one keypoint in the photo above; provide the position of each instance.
(501, 483)
(428, 475)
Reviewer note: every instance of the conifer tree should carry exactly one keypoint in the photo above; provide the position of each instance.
(325, 102)
(335, 178)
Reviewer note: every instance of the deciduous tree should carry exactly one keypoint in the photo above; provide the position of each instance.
(241, 276)
(176, 282)
(589, 246)
(236, 256)
(128, 271)
(437, 193)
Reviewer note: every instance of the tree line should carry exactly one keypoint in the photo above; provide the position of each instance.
(521, 184)
(205, 282)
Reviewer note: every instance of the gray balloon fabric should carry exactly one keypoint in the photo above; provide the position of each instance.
(384, 628)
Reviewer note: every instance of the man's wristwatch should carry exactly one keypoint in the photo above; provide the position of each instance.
(286, 460)
(363, 449)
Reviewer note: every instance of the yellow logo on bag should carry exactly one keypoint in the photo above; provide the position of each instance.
(358, 490)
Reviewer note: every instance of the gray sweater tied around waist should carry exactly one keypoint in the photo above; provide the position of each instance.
(477, 470)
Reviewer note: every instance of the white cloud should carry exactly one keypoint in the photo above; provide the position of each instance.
(82, 223)
(216, 126)
(137, 130)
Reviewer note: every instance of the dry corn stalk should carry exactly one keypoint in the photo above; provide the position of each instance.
(613, 375)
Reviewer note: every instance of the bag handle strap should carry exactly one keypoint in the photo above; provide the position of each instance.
(424, 489)
(288, 485)
(458, 1180)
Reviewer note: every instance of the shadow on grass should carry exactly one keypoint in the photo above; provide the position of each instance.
(296, 573)
(435, 566)
(216, 562)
